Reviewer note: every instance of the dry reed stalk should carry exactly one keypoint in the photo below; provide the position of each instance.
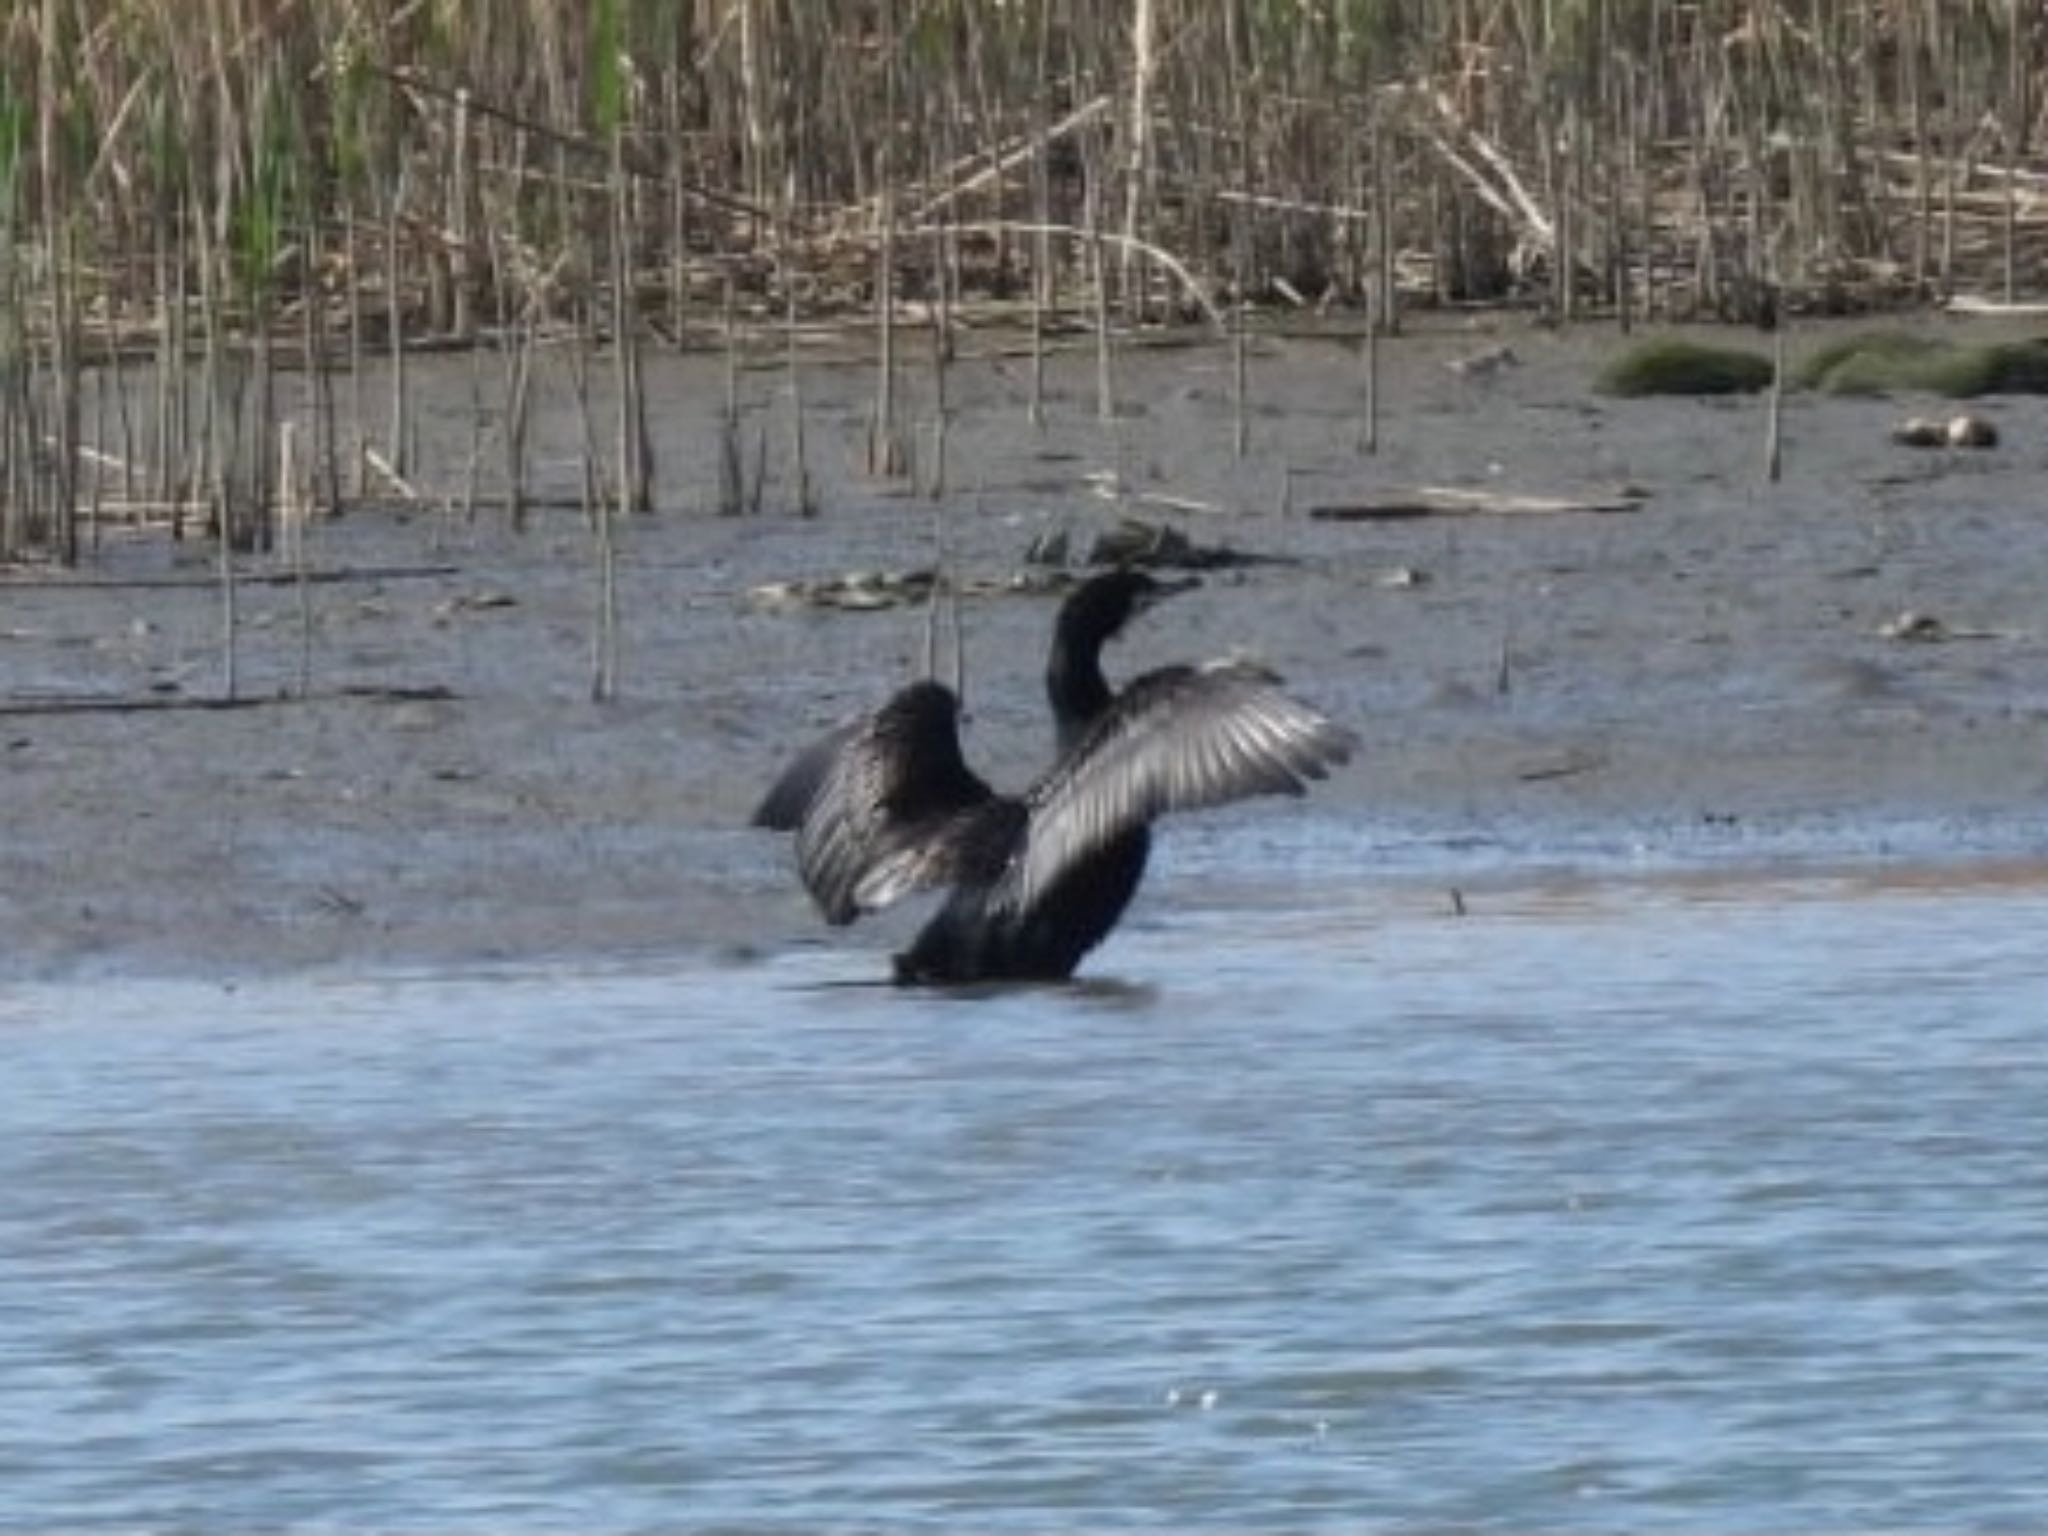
(294, 514)
(1369, 368)
(732, 475)
(804, 495)
(635, 473)
(394, 319)
(1774, 441)
(942, 351)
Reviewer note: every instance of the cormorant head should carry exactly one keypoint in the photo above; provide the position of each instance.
(1102, 605)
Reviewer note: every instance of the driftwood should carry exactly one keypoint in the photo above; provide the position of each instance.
(1974, 304)
(1454, 501)
(128, 704)
(242, 578)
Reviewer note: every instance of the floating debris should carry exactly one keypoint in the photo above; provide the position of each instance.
(1920, 432)
(1402, 576)
(1161, 546)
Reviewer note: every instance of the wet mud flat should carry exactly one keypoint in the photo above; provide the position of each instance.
(1724, 673)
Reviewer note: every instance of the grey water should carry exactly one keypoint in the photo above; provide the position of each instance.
(1621, 1205)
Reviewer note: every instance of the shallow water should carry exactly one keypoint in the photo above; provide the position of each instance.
(1619, 1205)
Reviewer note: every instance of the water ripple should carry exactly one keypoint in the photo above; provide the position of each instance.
(1626, 1208)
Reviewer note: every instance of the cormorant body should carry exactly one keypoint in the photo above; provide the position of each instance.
(885, 805)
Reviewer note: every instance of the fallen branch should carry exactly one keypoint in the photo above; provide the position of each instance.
(1453, 501)
(129, 705)
(242, 578)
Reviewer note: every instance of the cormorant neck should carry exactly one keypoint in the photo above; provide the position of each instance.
(1074, 684)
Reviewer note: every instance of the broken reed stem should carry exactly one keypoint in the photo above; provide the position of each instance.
(635, 474)
(935, 484)
(885, 448)
(395, 442)
(604, 680)
(599, 507)
(732, 474)
(1369, 365)
(1774, 408)
(1240, 382)
(800, 469)
(359, 441)
(1098, 273)
(293, 510)
(518, 418)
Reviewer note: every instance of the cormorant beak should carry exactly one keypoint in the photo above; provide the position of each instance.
(1162, 589)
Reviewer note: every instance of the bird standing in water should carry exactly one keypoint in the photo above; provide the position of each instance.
(885, 806)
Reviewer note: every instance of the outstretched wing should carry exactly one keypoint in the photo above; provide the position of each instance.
(1177, 739)
(789, 799)
(886, 782)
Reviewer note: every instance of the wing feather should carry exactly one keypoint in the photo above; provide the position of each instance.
(1178, 739)
(890, 781)
(789, 799)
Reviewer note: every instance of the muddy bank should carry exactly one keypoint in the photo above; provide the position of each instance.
(1708, 677)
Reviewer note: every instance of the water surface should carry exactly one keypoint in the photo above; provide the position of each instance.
(1662, 1205)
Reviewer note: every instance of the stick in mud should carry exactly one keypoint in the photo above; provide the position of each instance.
(1774, 412)
(942, 351)
(803, 494)
(732, 473)
(1369, 366)
(292, 511)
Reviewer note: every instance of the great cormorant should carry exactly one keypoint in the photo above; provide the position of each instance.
(886, 806)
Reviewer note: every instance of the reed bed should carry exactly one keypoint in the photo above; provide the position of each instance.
(245, 202)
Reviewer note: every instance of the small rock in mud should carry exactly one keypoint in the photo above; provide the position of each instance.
(1971, 432)
(1965, 431)
(1913, 625)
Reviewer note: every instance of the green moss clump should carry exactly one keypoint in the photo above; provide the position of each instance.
(2002, 368)
(1863, 357)
(1877, 365)
(1670, 367)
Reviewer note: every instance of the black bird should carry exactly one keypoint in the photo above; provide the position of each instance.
(886, 806)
